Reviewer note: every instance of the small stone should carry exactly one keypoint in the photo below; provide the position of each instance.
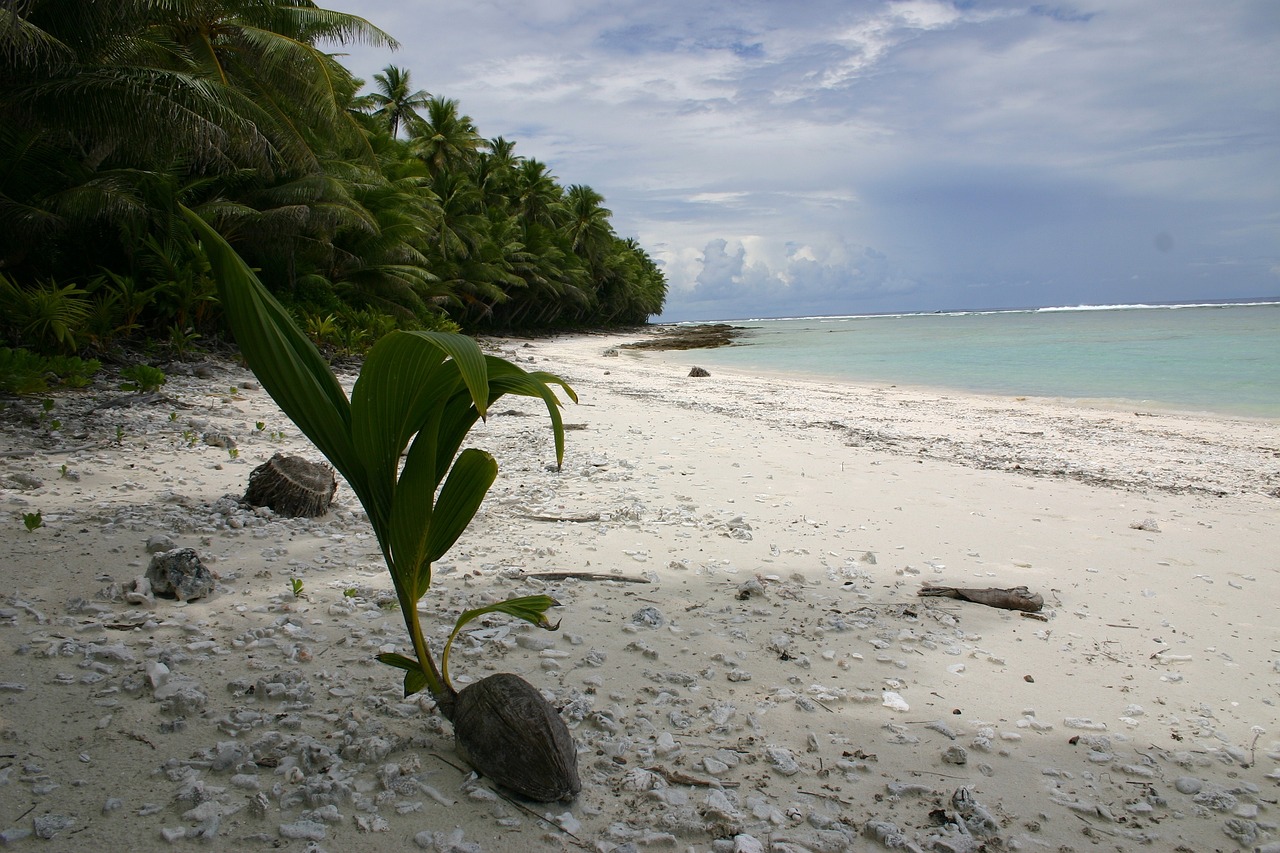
(1188, 785)
(894, 701)
(158, 543)
(309, 830)
(782, 761)
(714, 766)
(698, 372)
(955, 755)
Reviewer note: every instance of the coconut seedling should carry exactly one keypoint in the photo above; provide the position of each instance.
(421, 392)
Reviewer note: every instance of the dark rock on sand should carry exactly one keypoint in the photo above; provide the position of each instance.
(179, 574)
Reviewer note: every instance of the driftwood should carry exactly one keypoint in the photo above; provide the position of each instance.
(583, 576)
(576, 519)
(1014, 598)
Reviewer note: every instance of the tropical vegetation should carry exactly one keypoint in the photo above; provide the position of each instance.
(361, 213)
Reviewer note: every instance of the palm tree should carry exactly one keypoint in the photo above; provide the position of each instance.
(395, 104)
(445, 140)
(96, 95)
(588, 225)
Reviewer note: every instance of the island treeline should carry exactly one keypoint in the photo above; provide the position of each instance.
(362, 212)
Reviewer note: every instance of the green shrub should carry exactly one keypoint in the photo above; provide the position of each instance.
(142, 378)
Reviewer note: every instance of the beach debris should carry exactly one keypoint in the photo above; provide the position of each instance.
(292, 486)
(699, 372)
(178, 574)
(1013, 598)
(506, 729)
(1149, 524)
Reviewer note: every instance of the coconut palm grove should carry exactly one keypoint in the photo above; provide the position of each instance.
(364, 206)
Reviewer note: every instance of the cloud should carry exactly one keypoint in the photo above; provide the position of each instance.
(906, 154)
(749, 277)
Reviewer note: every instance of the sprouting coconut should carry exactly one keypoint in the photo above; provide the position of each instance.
(421, 392)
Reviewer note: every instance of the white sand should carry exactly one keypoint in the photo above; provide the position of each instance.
(1140, 715)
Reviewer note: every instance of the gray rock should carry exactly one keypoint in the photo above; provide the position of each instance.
(49, 825)
(160, 542)
(650, 617)
(22, 481)
(179, 574)
(220, 439)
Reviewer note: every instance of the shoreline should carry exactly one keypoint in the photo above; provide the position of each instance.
(774, 684)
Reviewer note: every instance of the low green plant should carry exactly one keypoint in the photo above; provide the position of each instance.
(64, 470)
(234, 453)
(45, 315)
(32, 520)
(142, 378)
(119, 435)
(23, 372)
(182, 340)
(260, 426)
(322, 330)
(295, 584)
(421, 392)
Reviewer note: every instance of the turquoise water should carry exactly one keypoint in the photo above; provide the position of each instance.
(1223, 359)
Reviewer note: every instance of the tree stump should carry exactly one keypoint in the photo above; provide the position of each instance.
(292, 486)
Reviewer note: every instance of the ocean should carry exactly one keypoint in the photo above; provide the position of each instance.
(1222, 359)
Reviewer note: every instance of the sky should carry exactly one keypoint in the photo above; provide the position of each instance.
(827, 157)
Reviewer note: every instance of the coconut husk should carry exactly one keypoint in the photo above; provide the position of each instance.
(292, 486)
(506, 730)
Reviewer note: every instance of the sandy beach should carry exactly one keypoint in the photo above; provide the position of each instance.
(745, 665)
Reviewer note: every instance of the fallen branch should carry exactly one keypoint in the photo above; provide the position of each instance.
(677, 777)
(577, 519)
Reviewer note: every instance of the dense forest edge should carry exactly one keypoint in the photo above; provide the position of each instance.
(363, 208)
